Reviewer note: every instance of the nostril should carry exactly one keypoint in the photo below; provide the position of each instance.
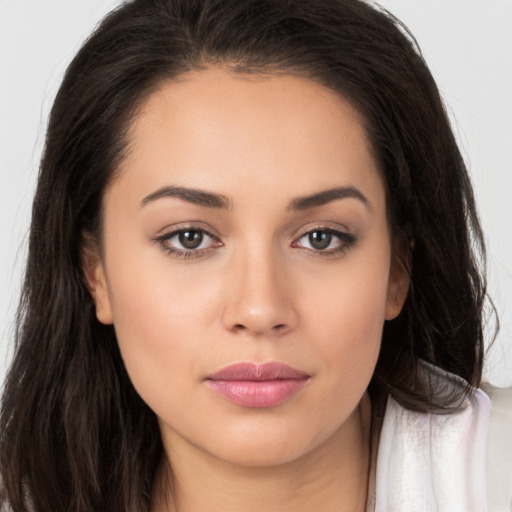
(242, 327)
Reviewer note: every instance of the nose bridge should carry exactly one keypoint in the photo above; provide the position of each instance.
(260, 302)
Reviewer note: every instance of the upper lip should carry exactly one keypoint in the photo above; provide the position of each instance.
(258, 372)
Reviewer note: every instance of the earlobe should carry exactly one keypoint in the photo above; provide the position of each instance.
(395, 302)
(399, 280)
(101, 297)
(97, 285)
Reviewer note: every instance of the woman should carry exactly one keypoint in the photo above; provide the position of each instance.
(253, 277)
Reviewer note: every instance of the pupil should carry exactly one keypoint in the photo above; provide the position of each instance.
(191, 239)
(320, 239)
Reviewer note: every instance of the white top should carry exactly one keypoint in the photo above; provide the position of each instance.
(458, 462)
(499, 450)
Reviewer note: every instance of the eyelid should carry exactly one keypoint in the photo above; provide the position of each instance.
(332, 227)
(347, 239)
(171, 231)
(183, 226)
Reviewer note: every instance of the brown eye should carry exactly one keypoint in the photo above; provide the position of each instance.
(325, 241)
(190, 239)
(320, 240)
(188, 242)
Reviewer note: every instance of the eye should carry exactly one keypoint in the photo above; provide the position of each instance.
(188, 242)
(325, 240)
(190, 239)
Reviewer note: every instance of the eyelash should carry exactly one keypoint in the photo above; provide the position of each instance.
(346, 241)
(164, 239)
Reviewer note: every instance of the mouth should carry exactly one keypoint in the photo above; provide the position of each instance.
(257, 385)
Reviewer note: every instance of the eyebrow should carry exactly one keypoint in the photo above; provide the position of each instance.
(327, 196)
(195, 196)
(213, 200)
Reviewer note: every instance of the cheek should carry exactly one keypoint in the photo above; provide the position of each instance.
(160, 317)
(347, 314)
(353, 297)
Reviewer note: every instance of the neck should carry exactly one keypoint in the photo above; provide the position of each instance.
(332, 477)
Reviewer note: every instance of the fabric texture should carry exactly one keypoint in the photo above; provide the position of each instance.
(499, 450)
(457, 462)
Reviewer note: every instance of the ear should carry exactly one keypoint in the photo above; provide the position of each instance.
(399, 277)
(96, 281)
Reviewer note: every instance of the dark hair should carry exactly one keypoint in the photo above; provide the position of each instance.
(75, 436)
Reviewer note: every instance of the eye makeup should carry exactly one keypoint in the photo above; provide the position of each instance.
(191, 241)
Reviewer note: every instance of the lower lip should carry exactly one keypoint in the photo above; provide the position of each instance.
(257, 394)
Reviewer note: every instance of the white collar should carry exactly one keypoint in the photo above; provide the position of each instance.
(434, 462)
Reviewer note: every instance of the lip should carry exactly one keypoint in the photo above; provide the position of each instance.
(257, 385)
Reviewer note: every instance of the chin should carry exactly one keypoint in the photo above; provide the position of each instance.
(260, 454)
(266, 443)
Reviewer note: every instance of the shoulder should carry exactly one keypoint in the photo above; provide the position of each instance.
(499, 449)
(433, 462)
(457, 462)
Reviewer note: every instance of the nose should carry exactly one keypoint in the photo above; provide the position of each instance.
(261, 299)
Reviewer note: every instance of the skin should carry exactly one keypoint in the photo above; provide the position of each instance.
(257, 289)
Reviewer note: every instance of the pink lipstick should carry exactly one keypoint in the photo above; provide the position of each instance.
(257, 385)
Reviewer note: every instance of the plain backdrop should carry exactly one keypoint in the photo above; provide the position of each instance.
(467, 44)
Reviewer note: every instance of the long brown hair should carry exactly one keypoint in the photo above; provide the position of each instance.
(75, 436)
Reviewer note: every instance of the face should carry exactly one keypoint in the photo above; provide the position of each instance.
(246, 264)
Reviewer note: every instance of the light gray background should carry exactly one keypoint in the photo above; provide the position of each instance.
(467, 43)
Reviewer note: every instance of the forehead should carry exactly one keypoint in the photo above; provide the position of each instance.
(218, 130)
